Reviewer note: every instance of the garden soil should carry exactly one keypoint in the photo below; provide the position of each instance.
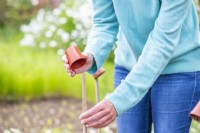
(40, 115)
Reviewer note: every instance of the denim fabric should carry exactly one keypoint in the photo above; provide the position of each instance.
(167, 104)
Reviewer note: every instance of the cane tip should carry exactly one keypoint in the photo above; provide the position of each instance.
(99, 73)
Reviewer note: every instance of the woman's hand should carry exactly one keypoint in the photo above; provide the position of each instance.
(85, 67)
(99, 116)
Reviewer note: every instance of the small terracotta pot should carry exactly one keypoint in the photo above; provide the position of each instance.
(195, 114)
(75, 57)
(99, 73)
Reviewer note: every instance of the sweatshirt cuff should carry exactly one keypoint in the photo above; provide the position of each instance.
(122, 99)
(96, 60)
(119, 101)
(93, 69)
(116, 103)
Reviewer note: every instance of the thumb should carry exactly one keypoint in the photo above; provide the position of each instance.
(87, 65)
(86, 55)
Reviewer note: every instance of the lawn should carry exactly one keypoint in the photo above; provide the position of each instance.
(28, 73)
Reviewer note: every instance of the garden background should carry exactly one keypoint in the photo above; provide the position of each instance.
(36, 94)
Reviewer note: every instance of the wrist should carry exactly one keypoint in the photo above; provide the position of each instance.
(112, 106)
(91, 63)
(90, 59)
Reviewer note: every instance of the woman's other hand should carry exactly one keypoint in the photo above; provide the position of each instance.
(99, 116)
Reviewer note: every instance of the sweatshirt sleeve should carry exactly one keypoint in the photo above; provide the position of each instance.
(103, 34)
(158, 51)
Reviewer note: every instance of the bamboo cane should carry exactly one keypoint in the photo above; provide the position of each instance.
(96, 76)
(77, 60)
(97, 96)
(84, 100)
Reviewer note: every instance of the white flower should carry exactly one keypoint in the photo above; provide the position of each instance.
(57, 11)
(79, 26)
(42, 44)
(53, 43)
(24, 28)
(36, 27)
(47, 24)
(62, 6)
(60, 32)
(28, 40)
(6, 131)
(62, 20)
(48, 131)
(73, 44)
(92, 131)
(52, 28)
(69, 12)
(50, 18)
(65, 37)
(75, 33)
(34, 2)
(48, 34)
(61, 52)
(15, 130)
(107, 130)
(40, 15)
(83, 34)
(85, 13)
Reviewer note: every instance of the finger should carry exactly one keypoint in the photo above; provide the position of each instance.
(85, 55)
(64, 59)
(100, 122)
(70, 72)
(78, 70)
(106, 123)
(93, 118)
(67, 66)
(92, 111)
(73, 74)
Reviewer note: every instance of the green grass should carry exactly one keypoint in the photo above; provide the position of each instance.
(195, 127)
(27, 73)
(10, 35)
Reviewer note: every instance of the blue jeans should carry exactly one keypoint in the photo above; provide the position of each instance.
(167, 104)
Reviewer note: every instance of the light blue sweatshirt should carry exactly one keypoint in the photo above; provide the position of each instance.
(123, 52)
(162, 34)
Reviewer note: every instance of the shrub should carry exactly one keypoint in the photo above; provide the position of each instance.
(13, 13)
(57, 28)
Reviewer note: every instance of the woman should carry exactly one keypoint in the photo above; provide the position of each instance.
(163, 85)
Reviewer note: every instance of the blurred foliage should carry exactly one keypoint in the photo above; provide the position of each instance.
(37, 71)
(28, 73)
(57, 28)
(15, 12)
